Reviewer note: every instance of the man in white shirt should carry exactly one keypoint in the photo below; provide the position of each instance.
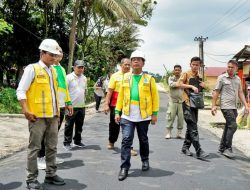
(38, 95)
(77, 85)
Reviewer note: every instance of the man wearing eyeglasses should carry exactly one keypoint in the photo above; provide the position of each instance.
(38, 95)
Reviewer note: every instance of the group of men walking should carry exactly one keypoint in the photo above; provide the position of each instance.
(181, 85)
(47, 94)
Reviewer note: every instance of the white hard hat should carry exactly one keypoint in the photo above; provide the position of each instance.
(137, 53)
(51, 46)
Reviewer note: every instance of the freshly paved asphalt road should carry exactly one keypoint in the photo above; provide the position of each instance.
(96, 168)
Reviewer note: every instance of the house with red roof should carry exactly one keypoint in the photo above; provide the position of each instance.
(211, 74)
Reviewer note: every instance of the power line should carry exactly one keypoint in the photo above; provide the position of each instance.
(218, 54)
(230, 11)
(25, 29)
(215, 59)
(233, 26)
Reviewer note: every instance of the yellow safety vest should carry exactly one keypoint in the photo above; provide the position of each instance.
(148, 95)
(39, 97)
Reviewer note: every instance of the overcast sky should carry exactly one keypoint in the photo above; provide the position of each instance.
(169, 36)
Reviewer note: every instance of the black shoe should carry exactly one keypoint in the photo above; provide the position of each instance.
(145, 166)
(187, 152)
(56, 180)
(123, 174)
(34, 185)
(201, 154)
(80, 145)
(228, 153)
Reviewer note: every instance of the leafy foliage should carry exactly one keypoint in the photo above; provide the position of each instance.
(5, 28)
(8, 101)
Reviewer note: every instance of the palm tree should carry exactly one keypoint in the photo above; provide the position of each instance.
(116, 9)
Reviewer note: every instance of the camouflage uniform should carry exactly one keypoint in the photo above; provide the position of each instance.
(175, 104)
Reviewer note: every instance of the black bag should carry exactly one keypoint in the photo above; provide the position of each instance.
(196, 100)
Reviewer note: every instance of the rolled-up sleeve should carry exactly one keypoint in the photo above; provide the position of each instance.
(25, 82)
(171, 82)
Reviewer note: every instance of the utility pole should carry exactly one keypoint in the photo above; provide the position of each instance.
(201, 54)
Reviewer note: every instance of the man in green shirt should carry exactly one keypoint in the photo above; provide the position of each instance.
(138, 100)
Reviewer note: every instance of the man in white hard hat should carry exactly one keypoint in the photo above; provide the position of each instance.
(64, 103)
(110, 102)
(138, 100)
(38, 95)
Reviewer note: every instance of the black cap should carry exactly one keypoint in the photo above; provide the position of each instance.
(79, 63)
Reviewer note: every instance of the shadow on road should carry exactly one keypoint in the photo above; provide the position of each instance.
(70, 164)
(153, 172)
(64, 155)
(12, 185)
(117, 150)
(93, 147)
(213, 155)
(242, 158)
(71, 184)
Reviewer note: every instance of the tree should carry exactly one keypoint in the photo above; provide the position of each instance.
(116, 8)
(5, 28)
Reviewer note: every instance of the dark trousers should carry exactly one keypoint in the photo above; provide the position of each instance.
(192, 135)
(229, 130)
(128, 128)
(114, 128)
(97, 101)
(76, 119)
(41, 153)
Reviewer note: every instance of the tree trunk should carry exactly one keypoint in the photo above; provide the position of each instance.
(72, 36)
(1, 77)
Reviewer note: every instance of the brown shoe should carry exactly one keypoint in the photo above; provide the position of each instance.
(133, 152)
(110, 146)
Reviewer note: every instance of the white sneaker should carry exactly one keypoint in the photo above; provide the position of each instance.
(67, 147)
(59, 160)
(168, 134)
(178, 135)
(41, 164)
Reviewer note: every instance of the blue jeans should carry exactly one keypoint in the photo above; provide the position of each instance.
(128, 129)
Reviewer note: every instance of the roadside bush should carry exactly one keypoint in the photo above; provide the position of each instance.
(8, 101)
(90, 96)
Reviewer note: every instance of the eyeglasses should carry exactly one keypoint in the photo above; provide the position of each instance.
(52, 54)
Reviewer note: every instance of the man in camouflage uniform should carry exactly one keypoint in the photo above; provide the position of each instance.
(175, 104)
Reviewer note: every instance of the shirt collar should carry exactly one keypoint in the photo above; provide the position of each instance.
(73, 73)
(42, 64)
(192, 74)
(56, 65)
(227, 75)
(137, 74)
